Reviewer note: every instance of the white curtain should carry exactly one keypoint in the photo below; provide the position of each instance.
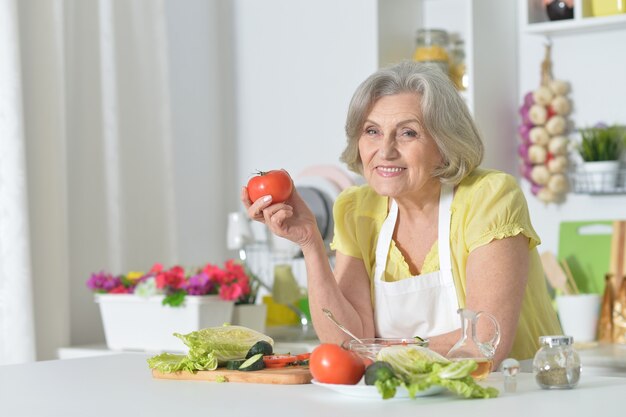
(108, 188)
(17, 342)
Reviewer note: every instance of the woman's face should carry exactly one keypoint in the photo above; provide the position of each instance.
(398, 155)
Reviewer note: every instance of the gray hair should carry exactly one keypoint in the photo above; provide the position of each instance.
(445, 115)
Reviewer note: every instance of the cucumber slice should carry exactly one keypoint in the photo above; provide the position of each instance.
(234, 364)
(254, 363)
(262, 347)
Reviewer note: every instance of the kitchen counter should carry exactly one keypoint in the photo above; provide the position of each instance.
(122, 385)
(603, 359)
(597, 358)
(84, 351)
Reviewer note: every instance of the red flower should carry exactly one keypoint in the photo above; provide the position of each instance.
(174, 278)
(231, 293)
(230, 283)
(120, 289)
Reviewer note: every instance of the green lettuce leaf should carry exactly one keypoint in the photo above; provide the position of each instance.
(224, 342)
(387, 385)
(468, 388)
(410, 360)
(419, 368)
(208, 348)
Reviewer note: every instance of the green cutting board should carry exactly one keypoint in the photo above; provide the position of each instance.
(586, 246)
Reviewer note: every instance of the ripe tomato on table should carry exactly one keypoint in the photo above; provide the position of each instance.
(332, 364)
(275, 183)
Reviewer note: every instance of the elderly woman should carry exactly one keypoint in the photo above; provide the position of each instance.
(429, 233)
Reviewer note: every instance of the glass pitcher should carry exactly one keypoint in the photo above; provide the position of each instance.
(469, 347)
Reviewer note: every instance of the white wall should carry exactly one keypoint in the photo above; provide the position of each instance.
(297, 63)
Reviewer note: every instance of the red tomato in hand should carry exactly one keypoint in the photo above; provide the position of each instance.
(275, 183)
(332, 364)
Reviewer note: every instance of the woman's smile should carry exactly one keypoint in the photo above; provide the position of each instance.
(389, 171)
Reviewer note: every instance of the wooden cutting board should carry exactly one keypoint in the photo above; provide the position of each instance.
(289, 376)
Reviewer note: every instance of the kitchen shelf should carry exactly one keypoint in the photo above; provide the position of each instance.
(574, 26)
(535, 20)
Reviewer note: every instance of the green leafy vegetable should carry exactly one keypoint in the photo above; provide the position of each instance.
(169, 362)
(208, 348)
(418, 368)
(410, 360)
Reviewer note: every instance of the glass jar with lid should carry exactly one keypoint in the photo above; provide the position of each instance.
(432, 48)
(556, 364)
(458, 71)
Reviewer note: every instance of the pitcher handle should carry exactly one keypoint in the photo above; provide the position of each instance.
(495, 340)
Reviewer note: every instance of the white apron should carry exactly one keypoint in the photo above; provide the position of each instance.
(423, 305)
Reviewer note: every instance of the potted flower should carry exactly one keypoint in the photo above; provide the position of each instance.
(140, 311)
(601, 148)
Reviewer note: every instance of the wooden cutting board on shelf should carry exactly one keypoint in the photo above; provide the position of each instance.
(287, 376)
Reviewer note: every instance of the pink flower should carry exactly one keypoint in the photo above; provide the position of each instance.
(231, 293)
(172, 279)
(199, 284)
(103, 282)
(120, 289)
(231, 282)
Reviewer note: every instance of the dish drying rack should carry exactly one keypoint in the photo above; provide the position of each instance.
(261, 260)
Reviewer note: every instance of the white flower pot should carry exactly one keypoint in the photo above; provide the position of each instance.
(601, 176)
(252, 316)
(137, 323)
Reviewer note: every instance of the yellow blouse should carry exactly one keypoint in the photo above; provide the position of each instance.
(487, 205)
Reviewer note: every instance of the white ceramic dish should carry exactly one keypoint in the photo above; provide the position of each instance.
(370, 391)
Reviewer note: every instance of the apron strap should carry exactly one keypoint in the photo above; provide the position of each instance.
(443, 235)
(443, 239)
(384, 240)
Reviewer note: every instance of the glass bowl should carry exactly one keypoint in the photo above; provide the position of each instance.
(367, 349)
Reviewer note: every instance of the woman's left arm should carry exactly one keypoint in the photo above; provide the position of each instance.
(496, 280)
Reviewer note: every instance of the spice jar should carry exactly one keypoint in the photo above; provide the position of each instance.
(556, 364)
(431, 48)
(458, 72)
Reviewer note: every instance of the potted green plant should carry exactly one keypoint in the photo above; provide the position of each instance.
(601, 148)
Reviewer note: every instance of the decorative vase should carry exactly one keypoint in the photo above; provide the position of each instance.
(559, 10)
(139, 323)
(252, 316)
(601, 176)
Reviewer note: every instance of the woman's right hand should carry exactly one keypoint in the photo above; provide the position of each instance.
(292, 219)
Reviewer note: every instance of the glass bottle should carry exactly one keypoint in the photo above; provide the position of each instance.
(556, 364)
(458, 71)
(432, 48)
(470, 347)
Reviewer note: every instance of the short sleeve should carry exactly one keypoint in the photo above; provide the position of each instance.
(497, 209)
(345, 219)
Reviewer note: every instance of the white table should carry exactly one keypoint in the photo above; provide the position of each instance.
(597, 359)
(603, 359)
(121, 385)
(85, 351)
